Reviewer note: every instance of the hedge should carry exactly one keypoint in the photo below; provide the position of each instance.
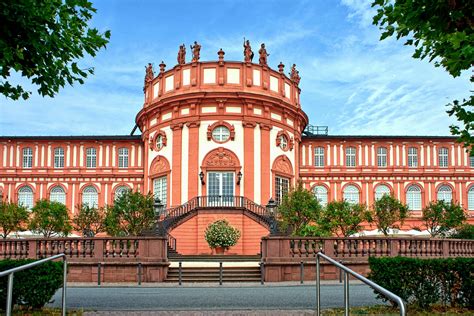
(32, 288)
(424, 282)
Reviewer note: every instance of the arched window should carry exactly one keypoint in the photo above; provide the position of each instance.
(283, 142)
(90, 196)
(57, 194)
(123, 157)
(351, 194)
(382, 157)
(25, 197)
(381, 190)
(443, 157)
(414, 198)
(470, 199)
(445, 193)
(91, 157)
(350, 157)
(27, 157)
(59, 157)
(319, 156)
(220, 134)
(120, 191)
(321, 193)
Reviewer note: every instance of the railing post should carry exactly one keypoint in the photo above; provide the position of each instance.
(301, 272)
(139, 273)
(346, 294)
(262, 273)
(180, 272)
(220, 273)
(318, 287)
(8, 309)
(98, 273)
(328, 249)
(445, 248)
(63, 303)
(32, 249)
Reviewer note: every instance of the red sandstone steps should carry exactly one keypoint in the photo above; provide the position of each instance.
(212, 274)
(214, 258)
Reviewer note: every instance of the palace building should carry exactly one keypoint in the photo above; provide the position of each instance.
(221, 138)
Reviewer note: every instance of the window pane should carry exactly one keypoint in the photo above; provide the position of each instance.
(350, 157)
(123, 157)
(319, 157)
(160, 189)
(58, 195)
(59, 157)
(321, 193)
(27, 157)
(120, 191)
(412, 157)
(380, 190)
(382, 157)
(90, 197)
(221, 133)
(470, 199)
(91, 158)
(351, 194)
(25, 197)
(445, 194)
(443, 157)
(414, 198)
(281, 188)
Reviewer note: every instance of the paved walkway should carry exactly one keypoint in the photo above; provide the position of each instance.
(205, 313)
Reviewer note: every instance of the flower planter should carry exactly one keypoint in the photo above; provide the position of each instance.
(219, 250)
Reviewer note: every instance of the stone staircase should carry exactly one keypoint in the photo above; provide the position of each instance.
(206, 268)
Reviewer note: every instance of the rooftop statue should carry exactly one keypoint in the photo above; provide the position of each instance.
(196, 51)
(149, 75)
(248, 53)
(263, 55)
(182, 55)
(295, 75)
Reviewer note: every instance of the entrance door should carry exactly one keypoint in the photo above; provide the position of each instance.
(220, 188)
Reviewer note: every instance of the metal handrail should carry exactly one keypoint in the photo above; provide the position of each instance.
(347, 271)
(10, 273)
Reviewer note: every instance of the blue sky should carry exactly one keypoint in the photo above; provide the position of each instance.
(351, 81)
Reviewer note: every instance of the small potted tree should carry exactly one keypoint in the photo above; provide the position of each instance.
(220, 236)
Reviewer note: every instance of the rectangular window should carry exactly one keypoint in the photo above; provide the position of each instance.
(281, 188)
(412, 157)
(91, 158)
(319, 157)
(471, 161)
(160, 189)
(382, 157)
(350, 157)
(443, 157)
(123, 157)
(59, 157)
(27, 157)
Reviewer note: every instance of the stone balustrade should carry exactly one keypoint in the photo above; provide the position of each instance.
(282, 256)
(124, 259)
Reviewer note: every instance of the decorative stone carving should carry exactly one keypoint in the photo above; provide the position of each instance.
(149, 75)
(248, 53)
(221, 158)
(290, 140)
(295, 75)
(160, 165)
(182, 55)
(154, 139)
(263, 55)
(230, 127)
(283, 165)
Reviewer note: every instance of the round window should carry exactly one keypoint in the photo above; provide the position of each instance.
(159, 142)
(221, 133)
(283, 142)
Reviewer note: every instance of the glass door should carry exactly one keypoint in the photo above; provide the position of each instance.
(220, 188)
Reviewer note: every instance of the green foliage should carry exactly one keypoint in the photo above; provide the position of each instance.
(13, 217)
(32, 288)
(42, 40)
(343, 218)
(440, 217)
(314, 231)
(298, 209)
(441, 31)
(424, 282)
(89, 220)
(465, 231)
(221, 234)
(387, 211)
(50, 218)
(131, 214)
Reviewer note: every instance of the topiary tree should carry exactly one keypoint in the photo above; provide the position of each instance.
(221, 234)
(131, 214)
(89, 220)
(298, 209)
(440, 217)
(387, 211)
(50, 218)
(343, 218)
(13, 217)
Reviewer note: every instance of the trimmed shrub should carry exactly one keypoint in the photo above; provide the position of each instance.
(424, 282)
(466, 231)
(32, 288)
(221, 234)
